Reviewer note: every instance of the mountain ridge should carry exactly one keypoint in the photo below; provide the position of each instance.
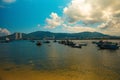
(50, 35)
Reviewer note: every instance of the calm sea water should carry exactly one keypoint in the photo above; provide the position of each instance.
(86, 63)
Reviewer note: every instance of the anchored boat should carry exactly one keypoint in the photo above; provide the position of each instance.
(107, 45)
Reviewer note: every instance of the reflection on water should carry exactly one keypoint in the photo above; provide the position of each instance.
(57, 62)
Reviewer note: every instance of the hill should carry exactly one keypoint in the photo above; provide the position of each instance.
(51, 35)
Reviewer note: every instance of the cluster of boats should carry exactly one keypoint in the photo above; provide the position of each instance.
(64, 42)
(101, 44)
(72, 44)
(107, 45)
(39, 43)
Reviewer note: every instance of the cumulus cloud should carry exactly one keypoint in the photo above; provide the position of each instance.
(53, 21)
(111, 27)
(9, 1)
(4, 32)
(77, 10)
(77, 28)
(91, 10)
(104, 13)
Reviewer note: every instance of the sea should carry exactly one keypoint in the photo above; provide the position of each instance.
(24, 60)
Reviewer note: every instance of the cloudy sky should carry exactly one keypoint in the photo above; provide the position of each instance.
(70, 16)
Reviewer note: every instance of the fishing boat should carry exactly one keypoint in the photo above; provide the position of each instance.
(107, 45)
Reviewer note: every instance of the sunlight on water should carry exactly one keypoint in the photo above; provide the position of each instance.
(23, 60)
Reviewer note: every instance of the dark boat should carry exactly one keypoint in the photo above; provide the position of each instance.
(107, 45)
(94, 42)
(46, 41)
(38, 43)
(55, 41)
(70, 43)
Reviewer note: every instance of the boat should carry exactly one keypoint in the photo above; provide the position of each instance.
(46, 41)
(55, 41)
(94, 42)
(7, 40)
(77, 46)
(38, 43)
(107, 45)
(70, 43)
(62, 42)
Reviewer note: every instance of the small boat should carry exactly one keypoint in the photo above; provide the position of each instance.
(7, 40)
(70, 43)
(94, 42)
(77, 46)
(38, 43)
(55, 41)
(62, 42)
(46, 41)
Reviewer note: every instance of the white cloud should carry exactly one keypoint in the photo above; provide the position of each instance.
(104, 13)
(53, 21)
(77, 10)
(9, 1)
(4, 32)
(78, 28)
(111, 27)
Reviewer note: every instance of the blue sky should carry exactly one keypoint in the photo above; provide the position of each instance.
(60, 16)
(25, 15)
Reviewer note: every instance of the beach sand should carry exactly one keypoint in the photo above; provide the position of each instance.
(74, 73)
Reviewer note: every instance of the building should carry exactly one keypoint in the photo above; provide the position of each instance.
(18, 36)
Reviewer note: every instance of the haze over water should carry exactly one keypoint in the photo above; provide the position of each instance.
(23, 60)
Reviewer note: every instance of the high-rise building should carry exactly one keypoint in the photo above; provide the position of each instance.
(18, 36)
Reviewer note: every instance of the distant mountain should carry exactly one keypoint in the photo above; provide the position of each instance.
(82, 35)
(50, 35)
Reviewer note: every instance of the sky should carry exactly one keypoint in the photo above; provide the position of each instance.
(60, 16)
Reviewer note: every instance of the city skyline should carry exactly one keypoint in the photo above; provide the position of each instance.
(69, 16)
